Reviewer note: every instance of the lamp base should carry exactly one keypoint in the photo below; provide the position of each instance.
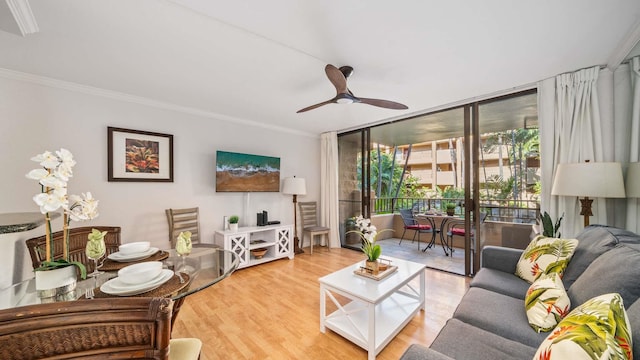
(585, 209)
(296, 246)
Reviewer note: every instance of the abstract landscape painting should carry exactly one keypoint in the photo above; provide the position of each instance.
(237, 172)
(136, 155)
(142, 156)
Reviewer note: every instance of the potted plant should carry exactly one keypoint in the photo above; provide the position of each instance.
(548, 227)
(56, 278)
(370, 248)
(233, 222)
(450, 208)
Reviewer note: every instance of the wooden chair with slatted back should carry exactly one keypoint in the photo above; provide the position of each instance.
(114, 328)
(309, 219)
(180, 220)
(78, 238)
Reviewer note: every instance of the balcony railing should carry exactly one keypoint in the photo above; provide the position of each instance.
(520, 211)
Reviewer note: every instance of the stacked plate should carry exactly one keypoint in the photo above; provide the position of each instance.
(133, 252)
(137, 279)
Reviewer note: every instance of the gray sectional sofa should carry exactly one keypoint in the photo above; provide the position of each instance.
(490, 322)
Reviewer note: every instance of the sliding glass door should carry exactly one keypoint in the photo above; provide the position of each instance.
(476, 156)
(353, 184)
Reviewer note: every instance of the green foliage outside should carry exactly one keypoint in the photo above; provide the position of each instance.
(519, 144)
(390, 179)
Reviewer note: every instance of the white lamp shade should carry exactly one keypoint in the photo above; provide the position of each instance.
(590, 179)
(294, 186)
(632, 183)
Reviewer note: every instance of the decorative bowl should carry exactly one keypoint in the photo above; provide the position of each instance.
(258, 253)
(134, 247)
(140, 273)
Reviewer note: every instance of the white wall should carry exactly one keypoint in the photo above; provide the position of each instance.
(35, 118)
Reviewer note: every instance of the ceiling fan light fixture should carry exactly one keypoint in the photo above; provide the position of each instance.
(344, 101)
(338, 77)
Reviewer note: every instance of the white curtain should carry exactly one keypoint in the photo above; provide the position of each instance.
(633, 204)
(571, 131)
(329, 215)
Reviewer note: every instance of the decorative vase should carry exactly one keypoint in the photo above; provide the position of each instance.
(233, 227)
(373, 266)
(451, 212)
(56, 284)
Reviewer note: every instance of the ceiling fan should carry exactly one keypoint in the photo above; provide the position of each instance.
(338, 78)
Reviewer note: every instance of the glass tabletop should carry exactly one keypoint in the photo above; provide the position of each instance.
(204, 267)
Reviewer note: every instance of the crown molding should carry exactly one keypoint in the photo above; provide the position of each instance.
(23, 16)
(624, 48)
(115, 95)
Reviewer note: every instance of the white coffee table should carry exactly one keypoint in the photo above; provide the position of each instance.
(378, 309)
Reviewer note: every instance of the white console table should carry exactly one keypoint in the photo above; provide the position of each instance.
(277, 239)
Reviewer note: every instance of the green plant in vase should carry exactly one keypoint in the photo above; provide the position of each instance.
(368, 234)
(549, 229)
(450, 208)
(233, 222)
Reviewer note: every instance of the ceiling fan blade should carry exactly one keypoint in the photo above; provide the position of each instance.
(315, 106)
(384, 103)
(337, 78)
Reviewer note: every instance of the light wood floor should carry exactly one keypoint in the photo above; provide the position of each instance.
(271, 311)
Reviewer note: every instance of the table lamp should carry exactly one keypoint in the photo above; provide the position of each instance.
(589, 179)
(632, 182)
(295, 186)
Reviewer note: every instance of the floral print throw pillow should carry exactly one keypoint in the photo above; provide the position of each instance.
(545, 255)
(597, 329)
(546, 302)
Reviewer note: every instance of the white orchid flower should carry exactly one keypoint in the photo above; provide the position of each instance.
(47, 159)
(370, 237)
(65, 169)
(37, 174)
(46, 179)
(83, 207)
(53, 181)
(51, 201)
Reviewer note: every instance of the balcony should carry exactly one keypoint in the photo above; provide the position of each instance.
(445, 178)
(420, 157)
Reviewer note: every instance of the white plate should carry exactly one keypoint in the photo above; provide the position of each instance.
(117, 287)
(117, 256)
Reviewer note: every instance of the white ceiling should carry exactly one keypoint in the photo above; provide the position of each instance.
(261, 61)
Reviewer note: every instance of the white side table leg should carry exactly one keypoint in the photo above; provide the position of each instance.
(323, 309)
(371, 338)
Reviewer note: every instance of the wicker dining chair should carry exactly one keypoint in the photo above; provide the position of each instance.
(121, 328)
(77, 243)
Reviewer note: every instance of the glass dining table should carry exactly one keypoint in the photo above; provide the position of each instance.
(204, 267)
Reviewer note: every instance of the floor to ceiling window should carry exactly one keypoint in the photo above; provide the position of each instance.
(424, 163)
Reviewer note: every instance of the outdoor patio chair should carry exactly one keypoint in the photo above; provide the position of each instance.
(456, 228)
(410, 223)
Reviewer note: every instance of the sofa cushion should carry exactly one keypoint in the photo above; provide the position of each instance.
(543, 256)
(501, 282)
(606, 275)
(593, 241)
(499, 314)
(460, 340)
(419, 352)
(546, 302)
(597, 329)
